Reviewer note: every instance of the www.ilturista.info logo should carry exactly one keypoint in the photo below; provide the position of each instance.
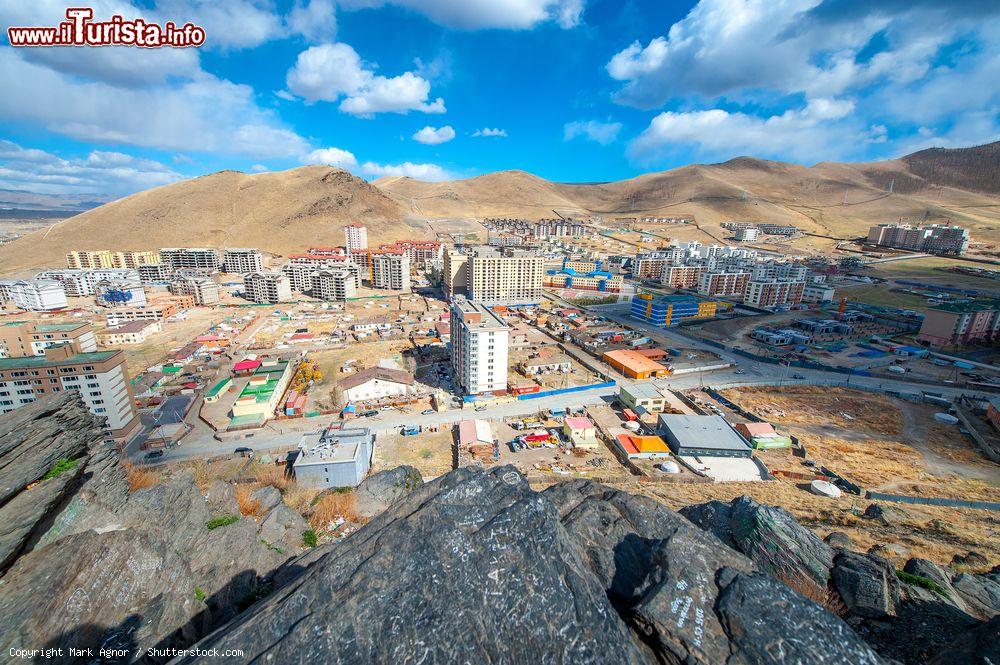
(80, 30)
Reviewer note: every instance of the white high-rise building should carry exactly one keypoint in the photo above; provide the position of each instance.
(479, 348)
(334, 284)
(510, 277)
(391, 271)
(242, 260)
(38, 295)
(357, 237)
(267, 287)
(197, 258)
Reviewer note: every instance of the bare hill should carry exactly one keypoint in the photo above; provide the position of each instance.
(279, 212)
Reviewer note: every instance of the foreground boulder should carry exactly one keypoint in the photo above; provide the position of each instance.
(381, 490)
(477, 567)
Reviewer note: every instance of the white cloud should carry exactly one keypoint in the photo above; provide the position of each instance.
(203, 113)
(719, 133)
(592, 130)
(434, 136)
(491, 131)
(316, 20)
(329, 72)
(259, 168)
(479, 14)
(346, 160)
(99, 173)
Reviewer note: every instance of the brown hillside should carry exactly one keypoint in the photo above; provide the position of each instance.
(278, 212)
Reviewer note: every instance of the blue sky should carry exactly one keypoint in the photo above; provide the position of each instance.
(572, 90)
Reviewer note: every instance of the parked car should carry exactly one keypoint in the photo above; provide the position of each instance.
(741, 371)
(427, 412)
(243, 451)
(798, 376)
(369, 414)
(154, 454)
(481, 408)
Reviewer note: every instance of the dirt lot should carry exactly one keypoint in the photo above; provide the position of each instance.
(367, 355)
(429, 452)
(883, 445)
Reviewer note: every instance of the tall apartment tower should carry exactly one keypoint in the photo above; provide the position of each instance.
(391, 271)
(242, 260)
(357, 237)
(509, 277)
(456, 273)
(336, 284)
(479, 348)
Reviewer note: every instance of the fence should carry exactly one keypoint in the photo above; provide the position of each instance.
(934, 501)
(565, 391)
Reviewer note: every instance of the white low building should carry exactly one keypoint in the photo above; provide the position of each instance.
(38, 295)
(377, 383)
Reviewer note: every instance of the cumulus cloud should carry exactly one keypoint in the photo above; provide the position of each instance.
(203, 113)
(592, 130)
(434, 136)
(329, 72)
(480, 14)
(99, 173)
(719, 133)
(316, 20)
(346, 160)
(491, 131)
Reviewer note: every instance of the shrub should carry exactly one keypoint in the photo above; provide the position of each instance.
(138, 477)
(271, 475)
(222, 520)
(309, 538)
(244, 499)
(199, 594)
(332, 506)
(61, 465)
(922, 582)
(300, 498)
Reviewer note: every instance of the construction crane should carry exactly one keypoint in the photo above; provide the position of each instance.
(841, 308)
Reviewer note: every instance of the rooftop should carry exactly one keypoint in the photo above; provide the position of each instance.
(712, 432)
(634, 361)
(42, 361)
(967, 307)
(379, 373)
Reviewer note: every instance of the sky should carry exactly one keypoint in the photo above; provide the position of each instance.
(570, 90)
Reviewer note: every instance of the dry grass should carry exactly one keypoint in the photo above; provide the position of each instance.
(271, 475)
(332, 506)
(139, 477)
(205, 473)
(249, 506)
(829, 407)
(300, 498)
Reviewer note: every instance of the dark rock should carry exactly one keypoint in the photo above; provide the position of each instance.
(928, 570)
(267, 498)
(979, 646)
(839, 539)
(381, 490)
(221, 498)
(883, 514)
(473, 567)
(980, 594)
(970, 561)
(770, 536)
(79, 591)
(283, 528)
(867, 584)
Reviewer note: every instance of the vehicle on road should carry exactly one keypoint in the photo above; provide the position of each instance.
(427, 412)
(741, 371)
(798, 376)
(154, 454)
(369, 414)
(243, 451)
(480, 408)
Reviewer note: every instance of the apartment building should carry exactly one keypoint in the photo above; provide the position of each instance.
(652, 265)
(723, 284)
(337, 284)
(772, 293)
(153, 273)
(420, 253)
(193, 258)
(89, 259)
(749, 234)
(479, 348)
(817, 292)
(934, 238)
(38, 295)
(83, 282)
(242, 260)
(391, 271)
(960, 324)
(671, 310)
(456, 273)
(356, 236)
(158, 308)
(29, 338)
(99, 376)
(782, 271)
(133, 332)
(596, 280)
(267, 287)
(681, 277)
(203, 289)
(509, 277)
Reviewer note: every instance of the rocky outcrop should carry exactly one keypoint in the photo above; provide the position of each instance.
(770, 537)
(483, 569)
(979, 646)
(866, 583)
(381, 490)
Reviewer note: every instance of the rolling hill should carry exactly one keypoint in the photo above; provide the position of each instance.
(288, 210)
(280, 212)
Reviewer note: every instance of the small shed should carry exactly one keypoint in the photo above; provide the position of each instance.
(581, 432)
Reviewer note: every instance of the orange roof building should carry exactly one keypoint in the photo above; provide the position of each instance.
(642, 447)
(634, 364)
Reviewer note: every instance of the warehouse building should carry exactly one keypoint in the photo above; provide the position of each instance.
(635, 365)
(334, 457)
(701, 436)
